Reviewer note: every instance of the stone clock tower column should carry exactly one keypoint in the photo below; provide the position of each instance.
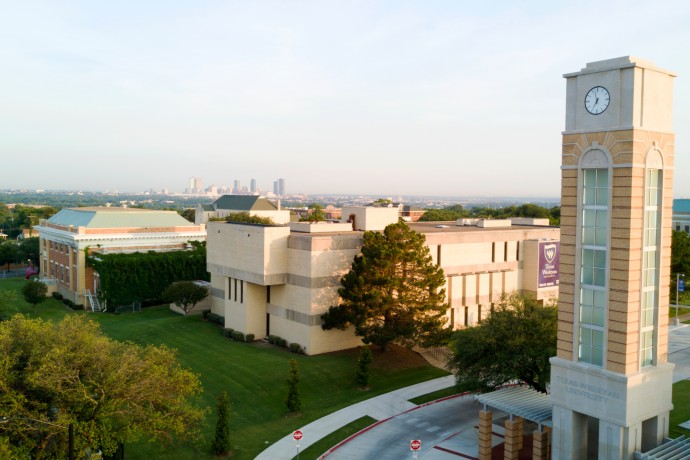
(610, 381)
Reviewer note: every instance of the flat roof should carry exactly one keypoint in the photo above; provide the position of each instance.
(102, 217)
(524, 402)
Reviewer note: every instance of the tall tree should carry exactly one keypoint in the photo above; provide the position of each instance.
(680, 260)
(185, 294)
(393, 292)
(221, 441)
(34, 292)
(514, 343)
(110, 391)
(293, 400)
(363, 362)
(8, 253)
(29, 249)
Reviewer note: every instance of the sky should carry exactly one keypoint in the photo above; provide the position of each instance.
(390, 98)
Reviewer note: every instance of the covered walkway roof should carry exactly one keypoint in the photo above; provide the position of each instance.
(521, 401)
(678, 448)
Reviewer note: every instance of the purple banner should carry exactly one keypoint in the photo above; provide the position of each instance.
(549, 252)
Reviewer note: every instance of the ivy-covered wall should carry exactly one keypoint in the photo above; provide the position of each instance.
(125, 278)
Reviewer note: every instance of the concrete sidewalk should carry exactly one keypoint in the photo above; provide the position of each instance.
(379, 407)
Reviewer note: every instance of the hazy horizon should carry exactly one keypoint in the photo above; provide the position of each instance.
(447, 98)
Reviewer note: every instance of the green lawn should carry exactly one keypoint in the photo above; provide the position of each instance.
(254, 375)
(334, 438)
(681, 409)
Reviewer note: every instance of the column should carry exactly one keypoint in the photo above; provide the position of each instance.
(570, 439)
(513, 439)
(541, 444)
(485, 435)
(617, 442)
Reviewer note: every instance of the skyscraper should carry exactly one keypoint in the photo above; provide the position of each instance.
(252, 186)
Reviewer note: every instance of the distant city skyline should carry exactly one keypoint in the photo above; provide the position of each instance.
(447, 98)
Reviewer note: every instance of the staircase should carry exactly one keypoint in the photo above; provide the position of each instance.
(93, 301)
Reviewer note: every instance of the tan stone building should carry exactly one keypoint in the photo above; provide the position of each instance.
(67, 236)
(279, 280)
(610, 381)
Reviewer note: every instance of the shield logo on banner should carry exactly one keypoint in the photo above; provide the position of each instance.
(550, 252)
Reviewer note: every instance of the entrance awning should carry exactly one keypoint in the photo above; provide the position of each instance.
(524, 402)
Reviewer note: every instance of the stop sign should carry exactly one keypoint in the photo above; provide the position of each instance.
(415, 444)
(297, 435)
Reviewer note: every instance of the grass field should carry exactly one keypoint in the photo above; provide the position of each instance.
(254, 375)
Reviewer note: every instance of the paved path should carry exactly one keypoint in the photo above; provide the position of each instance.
(380, 408)
(446, 428)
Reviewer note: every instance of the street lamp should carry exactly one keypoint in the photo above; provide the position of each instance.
(678, 288)
(69, 428)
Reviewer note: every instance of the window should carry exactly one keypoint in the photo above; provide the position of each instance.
(650, 267)
(593, 259)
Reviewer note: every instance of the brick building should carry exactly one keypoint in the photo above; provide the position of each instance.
(69, 235)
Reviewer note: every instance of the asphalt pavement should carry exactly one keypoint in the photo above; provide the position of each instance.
(446, 428)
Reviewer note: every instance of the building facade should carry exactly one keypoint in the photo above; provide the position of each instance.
(67, 237)
(610, 380)
(229, 204)
(681, 215)
(279, 280)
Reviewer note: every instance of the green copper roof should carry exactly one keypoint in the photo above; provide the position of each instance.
(244, 203)
(94, 217)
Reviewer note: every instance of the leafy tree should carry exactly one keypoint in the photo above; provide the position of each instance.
(188, 213)
(29, 249)
(514, 343)
(8, 300)
(185, 294)
(221, 442)
(293, 401)
(393, 292)
(453, 212)
(8, 253)
(363, 362)
(111, 391)
(680, 260)
(34, 292)
(315, 214)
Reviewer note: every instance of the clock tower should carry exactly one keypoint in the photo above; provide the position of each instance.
(610, 381)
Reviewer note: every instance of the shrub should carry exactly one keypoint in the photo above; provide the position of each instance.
(227, 332)
(238, 336)
(57, 296)
(205, 313)
(249, 338)
(68, 303)
(212, 317)
(296, 348)
(282, 342)
(273, 339)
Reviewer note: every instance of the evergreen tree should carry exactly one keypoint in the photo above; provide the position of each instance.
(221, 442)
(363, 362)
(293, 401)
(393, 292)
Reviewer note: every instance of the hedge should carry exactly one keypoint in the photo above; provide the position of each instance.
(125, 278)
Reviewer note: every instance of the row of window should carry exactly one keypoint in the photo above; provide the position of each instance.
(236, 290)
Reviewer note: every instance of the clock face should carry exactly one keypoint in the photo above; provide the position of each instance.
(597, 100)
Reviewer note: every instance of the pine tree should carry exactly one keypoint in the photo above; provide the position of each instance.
(221, 442)
(362, 374)
(293, 401)
(393, 292)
